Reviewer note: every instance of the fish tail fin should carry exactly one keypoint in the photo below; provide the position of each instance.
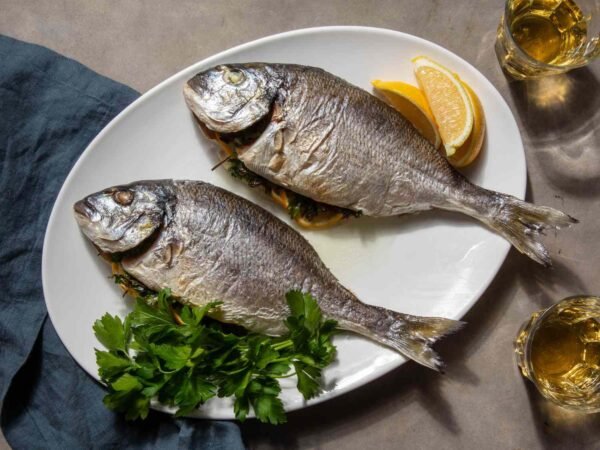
(410, 335)
(522, 224)
(418, 334)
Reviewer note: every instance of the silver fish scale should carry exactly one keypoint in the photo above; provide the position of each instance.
(380, 166)
(218, 246)
(337, 144)
(207, 244)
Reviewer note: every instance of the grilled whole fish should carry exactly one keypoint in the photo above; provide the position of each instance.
(207, 244)
(339, 145)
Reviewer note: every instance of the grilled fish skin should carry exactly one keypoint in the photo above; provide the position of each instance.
(208, 244)
(337, 144)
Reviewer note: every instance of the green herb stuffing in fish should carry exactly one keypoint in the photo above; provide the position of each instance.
(337, 144)
(207, 244)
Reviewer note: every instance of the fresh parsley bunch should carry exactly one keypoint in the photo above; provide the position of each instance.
(182, 358)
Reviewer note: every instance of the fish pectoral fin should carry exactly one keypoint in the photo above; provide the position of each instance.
(171, 251)
(267, 153)
(276, 162)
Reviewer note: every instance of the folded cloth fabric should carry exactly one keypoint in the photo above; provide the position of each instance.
(50, 109)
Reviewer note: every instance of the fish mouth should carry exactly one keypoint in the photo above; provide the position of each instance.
(190, 95)
(84, 210)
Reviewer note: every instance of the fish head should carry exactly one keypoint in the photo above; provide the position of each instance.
(231, 97)
(120, 218)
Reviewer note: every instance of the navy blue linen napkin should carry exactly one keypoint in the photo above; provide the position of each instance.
(50, 109)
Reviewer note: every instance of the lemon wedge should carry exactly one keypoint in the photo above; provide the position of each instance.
(466, 153)
(448, 100)
(409, 101)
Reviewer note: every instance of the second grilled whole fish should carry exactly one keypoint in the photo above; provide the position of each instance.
(319, 136)
(207, 244)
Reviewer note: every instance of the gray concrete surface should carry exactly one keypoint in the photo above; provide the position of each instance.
(482, 402)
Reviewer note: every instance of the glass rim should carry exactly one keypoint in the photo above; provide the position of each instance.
(523, 54)
(534, 329)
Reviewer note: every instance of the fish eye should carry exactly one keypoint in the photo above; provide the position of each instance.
(234, 76)
(123, 198)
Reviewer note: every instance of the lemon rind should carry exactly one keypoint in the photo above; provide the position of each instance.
(384, 86)
(423, 61)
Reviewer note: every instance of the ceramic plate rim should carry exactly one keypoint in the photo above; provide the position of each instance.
(246, 46)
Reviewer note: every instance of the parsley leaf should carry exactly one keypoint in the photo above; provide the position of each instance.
(269, 409)
(175, 354)
(111, 364)
(110, 332)
(308, 379)
(192, 392)
(126, 382)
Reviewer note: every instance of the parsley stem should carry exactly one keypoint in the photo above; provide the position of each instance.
(284, 344)
(284, 376)
(283, 358)
(233, 372)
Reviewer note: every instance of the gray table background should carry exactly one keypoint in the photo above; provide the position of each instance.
(482, 401)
